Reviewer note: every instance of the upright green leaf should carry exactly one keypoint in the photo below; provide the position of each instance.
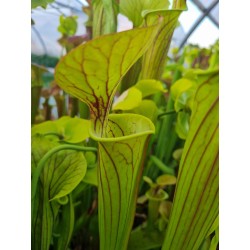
(65, 226)
(155, 57)
(120, 166)
(133, 8)
(104, 17)
(61, 174)
(93, 70)
(196, 206)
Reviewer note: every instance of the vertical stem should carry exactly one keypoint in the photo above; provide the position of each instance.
(74, 107)
(83, 110)
(167, 135)
(153, 207)
(35, 99)
(131, 77)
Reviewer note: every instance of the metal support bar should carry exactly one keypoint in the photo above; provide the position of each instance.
(67, 6)
(40, 39)
(198, 22)
(203, 9)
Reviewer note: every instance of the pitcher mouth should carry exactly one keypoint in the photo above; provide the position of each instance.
(124, 126)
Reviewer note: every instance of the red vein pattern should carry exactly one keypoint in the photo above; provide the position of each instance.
(196, 204)
(155, 57)
(120, 168)
(92, 71)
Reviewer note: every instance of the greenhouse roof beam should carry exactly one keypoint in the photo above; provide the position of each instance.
(67, 6)
(40, 39)
(198, 22)
(203, 9)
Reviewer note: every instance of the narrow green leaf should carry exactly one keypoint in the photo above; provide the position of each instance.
(129, 99)
(182, 125)
(120, 166)
(154, 59)
(104, 17)
(214, 226)
(195, 205)
(150, 87)
(42, 223)
(60, 175)
(65, 226)
(215, 240)
(165, 169)
(44, 211)
(133, 9)
(93, 70)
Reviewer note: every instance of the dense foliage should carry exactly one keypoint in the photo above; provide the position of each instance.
(127, 156)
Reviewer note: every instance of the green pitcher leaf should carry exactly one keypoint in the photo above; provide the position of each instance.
(147, 108)
(133, 9)
(93, 70)
(180, 86)
(182, 92)
(45, 212)
(71, 130)
(43, 222)
(196, 205)
(129, 99)
(44, 127)
(154, 59)
(75, 130)
(37, 72)
(119, 172)
(165, 180)
(62, 172)
(69, 169)
(150, 87)
(104, 17)
(160, 195)
(182, 124)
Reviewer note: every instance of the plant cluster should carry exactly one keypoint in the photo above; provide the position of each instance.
(132, 163)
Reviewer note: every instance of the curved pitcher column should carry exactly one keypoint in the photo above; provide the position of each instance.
(121, 154)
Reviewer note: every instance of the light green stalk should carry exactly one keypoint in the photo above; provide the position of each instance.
(196, 206)
(121, 154)
(104, 17)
